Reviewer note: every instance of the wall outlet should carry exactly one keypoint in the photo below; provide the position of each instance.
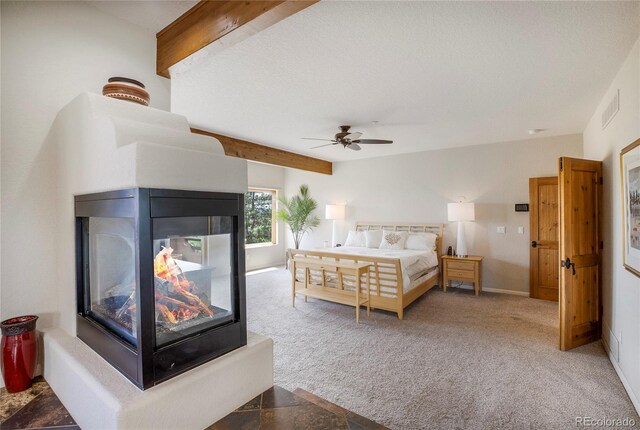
(501, 229)
(521, 230)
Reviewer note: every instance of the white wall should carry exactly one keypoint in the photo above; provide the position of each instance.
(51, 52)
(621, 328)
(417, 187)
(266, 176)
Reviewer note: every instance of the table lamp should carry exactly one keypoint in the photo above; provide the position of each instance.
(461, 212)
(334, 212)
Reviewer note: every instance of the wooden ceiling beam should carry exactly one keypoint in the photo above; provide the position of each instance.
(266, 154)
(224, 22)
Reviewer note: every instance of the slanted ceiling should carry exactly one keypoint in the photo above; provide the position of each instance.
(150, 15)
(434, 74)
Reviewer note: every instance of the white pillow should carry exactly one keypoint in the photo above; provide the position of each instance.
(393, 239)
(373, 238)
(421, 241)
(356, 238)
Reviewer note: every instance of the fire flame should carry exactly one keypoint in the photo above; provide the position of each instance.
(165, 267)
(181, 314)
(183, 304)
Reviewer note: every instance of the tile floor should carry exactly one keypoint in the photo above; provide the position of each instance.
(35, 408)
(275, 409)
(280, 409)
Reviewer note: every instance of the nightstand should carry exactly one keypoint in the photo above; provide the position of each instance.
(467, 269)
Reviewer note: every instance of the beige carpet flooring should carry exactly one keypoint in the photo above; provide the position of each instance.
(456, 362)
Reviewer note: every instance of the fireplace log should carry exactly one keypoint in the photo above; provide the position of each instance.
(126, 307)
(194, 300)
(166, 313)
(164, 300)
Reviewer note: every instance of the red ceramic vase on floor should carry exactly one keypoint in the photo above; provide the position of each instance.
(19, 352)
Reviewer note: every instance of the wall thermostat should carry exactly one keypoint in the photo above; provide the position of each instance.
(522, 207)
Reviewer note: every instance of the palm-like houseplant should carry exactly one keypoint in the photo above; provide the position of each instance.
(297, 212)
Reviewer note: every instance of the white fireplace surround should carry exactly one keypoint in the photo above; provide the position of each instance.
(104, 144)
(99, 397)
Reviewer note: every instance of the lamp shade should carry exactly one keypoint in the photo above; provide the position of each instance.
(334, 211)
(461, 211)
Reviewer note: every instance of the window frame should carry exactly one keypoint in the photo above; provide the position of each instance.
(274, 223)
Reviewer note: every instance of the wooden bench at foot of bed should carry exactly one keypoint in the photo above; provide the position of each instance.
(357, 270)
(385, 275)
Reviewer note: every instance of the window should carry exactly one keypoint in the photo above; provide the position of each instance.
(260, 217)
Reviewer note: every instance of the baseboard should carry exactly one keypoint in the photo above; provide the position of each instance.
(625, 383)
(268, 266)
(610, 341)
(497, 290)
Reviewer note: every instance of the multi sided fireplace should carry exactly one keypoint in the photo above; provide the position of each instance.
(160, 279)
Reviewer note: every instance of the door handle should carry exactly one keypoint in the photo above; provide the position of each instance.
(534, 244)
(568, 264)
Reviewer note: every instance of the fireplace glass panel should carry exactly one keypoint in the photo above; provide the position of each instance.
(193, 276)
(113, 275)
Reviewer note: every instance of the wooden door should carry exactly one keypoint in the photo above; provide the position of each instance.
(580, 248)
(543, 255)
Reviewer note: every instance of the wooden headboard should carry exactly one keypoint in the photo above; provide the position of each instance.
(408, 227)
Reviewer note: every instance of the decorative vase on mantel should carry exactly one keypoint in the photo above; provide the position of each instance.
(126, 89)
(19, 352)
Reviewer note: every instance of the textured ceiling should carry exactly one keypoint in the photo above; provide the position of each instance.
(434, 74)
(150, 14)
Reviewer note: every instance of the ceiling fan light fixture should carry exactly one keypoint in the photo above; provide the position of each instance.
(348, 139)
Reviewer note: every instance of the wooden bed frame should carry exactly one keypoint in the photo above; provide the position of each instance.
(382, 270)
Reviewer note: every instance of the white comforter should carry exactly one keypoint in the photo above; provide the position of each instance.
(412, 263)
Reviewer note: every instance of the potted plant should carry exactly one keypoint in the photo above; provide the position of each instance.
(297, 212)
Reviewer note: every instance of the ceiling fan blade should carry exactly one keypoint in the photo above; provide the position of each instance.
(369, 141)
(320, 146)
(353, 136)
(313, 138)
(354, 146)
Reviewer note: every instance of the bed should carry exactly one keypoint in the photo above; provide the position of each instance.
(397, 277)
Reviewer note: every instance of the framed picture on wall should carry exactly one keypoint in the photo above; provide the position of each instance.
(630, 172)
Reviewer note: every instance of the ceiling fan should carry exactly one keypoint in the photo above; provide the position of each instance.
(349, 140)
